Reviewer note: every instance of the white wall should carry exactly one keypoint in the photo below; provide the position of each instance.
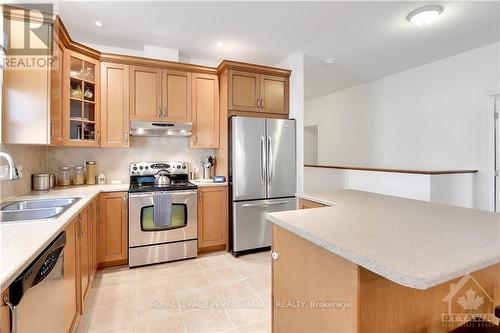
(295, 62)
(430, 117)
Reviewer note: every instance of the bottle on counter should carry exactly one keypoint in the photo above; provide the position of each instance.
(79, 175)
(101, 179)
(64, 176)
(90, 167)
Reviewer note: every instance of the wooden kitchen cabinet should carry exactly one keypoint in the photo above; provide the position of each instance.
(115, 104)
(94, 209)
(243, 91)
(56, 90)
(81, 107)
(212, 218)
(145, 93)
(176, 96)
(205, 107)
(83, 253)
(305, 204)
(70, 277)
(273, 94)
(113, 228)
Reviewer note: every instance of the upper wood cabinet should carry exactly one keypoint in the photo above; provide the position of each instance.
(253, 92)
(243, 91)
(32, 84)
(212, 218)
(145, 93)
(205, 106)
(176, 96)
(273, 94)
(56, 92)
(115, 110)
(81, 116)
(113, 228)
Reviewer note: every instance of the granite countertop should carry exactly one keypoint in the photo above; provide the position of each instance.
(21, 242)
(414, 243)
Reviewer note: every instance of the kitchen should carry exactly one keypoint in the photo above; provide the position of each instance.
(215, 147)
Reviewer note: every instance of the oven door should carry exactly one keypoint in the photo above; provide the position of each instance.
(144, 229)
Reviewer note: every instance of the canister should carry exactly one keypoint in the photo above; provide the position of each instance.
(79, 175)
(90, 167)
(40, 181)
(64, 176)
(52, 180)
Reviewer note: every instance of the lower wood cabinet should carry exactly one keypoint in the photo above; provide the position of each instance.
(306, 204)
(113, 229)
(212, 218)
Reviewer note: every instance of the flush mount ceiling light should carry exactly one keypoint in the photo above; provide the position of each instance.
(219, 44)
(98, 23)
(425, 15)
(329, 61)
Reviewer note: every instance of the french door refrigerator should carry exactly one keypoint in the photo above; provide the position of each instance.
(262, 171)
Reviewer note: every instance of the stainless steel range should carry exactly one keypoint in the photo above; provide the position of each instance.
(162, 213)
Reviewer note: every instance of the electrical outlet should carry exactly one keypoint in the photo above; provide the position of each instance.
(4, 172)
(20, 171)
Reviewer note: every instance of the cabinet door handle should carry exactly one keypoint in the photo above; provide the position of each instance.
(51, 129)
(199, 195)
(262, 104)
(258, 104)
(124, 201)
(98, 136)
(164, 113)
(275, 255)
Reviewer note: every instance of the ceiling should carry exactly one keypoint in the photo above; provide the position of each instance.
(369, 40)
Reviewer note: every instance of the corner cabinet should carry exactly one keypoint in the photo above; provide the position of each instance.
(205, 107)
(81, 121)
(113, 229)
(115, 105)
(212, 218)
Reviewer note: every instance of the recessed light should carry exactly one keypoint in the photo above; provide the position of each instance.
(219, 43)
(329, 61)
(425, 15)
(98, 23)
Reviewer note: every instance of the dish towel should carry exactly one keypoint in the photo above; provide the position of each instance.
(162, 211)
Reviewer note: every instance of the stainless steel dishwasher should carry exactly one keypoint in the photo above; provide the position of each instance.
(36, 297)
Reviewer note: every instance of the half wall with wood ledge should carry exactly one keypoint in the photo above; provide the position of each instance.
(452, 187)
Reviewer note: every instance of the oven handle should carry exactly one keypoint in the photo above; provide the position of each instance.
(149, 194)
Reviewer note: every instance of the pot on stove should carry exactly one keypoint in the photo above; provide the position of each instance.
(162, 179)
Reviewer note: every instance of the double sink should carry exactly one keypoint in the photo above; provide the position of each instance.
(35, 209)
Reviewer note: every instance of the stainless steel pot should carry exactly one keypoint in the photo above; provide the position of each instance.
(40, 181)
(162, 179)
(52, 180)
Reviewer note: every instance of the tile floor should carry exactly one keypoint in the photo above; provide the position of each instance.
(213, 293)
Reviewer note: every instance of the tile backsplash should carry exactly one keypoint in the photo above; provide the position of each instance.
(114, 162)
(33, 159)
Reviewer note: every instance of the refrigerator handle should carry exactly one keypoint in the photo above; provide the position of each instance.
(262, 160)
(270, 160)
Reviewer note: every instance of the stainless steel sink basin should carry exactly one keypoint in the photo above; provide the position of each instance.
(35, 209)
(30, 214)
(39, 203)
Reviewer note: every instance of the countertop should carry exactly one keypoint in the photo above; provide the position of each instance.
(207, 184)
(414, 243)
(21, 242)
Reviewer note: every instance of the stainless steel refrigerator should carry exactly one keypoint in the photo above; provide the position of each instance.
(262, 172)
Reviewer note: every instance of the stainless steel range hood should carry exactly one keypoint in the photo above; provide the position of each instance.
(159, 128)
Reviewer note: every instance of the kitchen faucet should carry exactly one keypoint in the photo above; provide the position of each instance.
(13, 174)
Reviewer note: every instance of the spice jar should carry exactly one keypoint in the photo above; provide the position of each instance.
(90, 169)
(79, 175)
(64, 176)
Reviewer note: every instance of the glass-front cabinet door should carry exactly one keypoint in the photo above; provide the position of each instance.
(82, 125)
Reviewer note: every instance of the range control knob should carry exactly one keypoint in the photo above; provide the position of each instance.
(184, 167)
(141, 167)
(134, 168)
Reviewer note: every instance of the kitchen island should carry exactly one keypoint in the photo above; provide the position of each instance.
(407, 259)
